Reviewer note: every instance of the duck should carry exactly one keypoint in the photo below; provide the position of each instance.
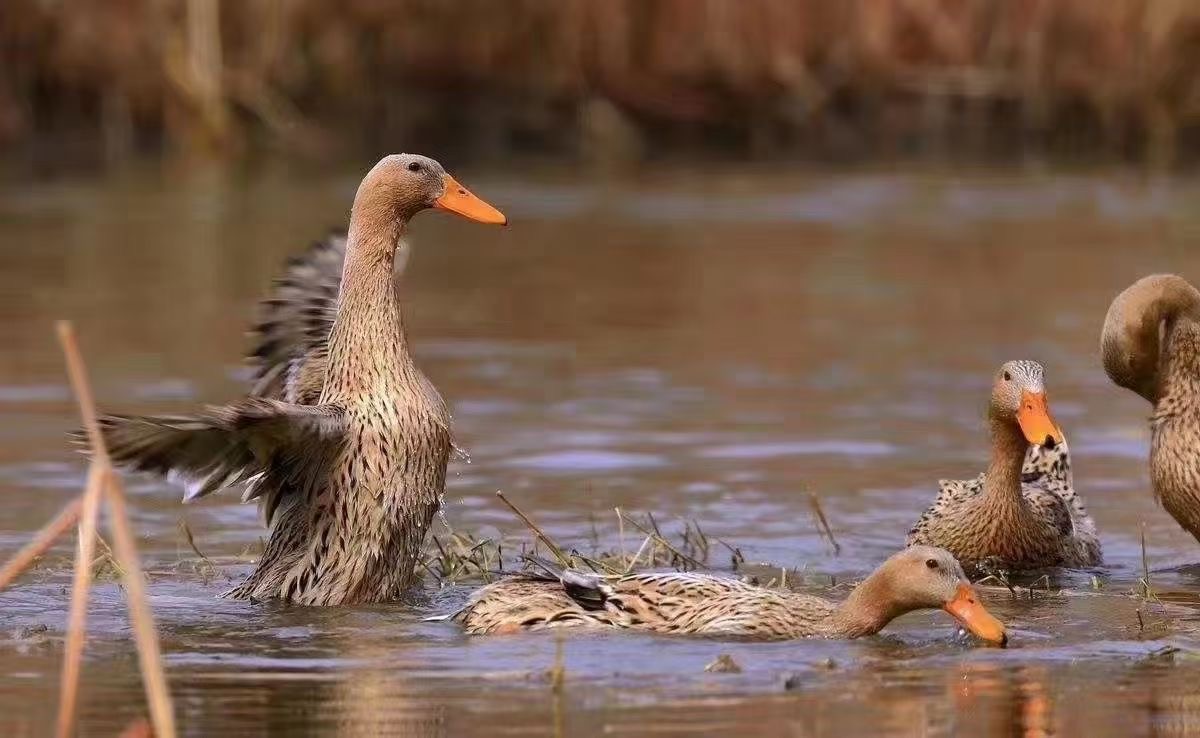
(691, 603)
(343, 441)
(1023, 512)
(1150, 345)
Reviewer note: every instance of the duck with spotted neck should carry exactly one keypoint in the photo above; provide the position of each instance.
(1022, 513)
(1150, 345)
(351, 475)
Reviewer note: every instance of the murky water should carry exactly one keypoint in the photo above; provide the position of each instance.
(708, 345)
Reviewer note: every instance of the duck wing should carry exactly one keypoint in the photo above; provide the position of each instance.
(290, 340)
(297, 316)
(270, 446)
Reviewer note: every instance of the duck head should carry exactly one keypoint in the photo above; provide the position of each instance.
(1136, 326)
(925, 577)
(1019, 397)
(402, 185)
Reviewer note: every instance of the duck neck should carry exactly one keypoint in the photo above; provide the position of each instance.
(1179, 366)
(368, 345)
(1002, 486)
(866, 611)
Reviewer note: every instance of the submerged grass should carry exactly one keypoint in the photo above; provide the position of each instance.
(459, 557)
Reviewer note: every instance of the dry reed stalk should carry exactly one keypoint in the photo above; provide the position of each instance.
(662, 541)
(823, 522)
(44, 539)
(633, 562)
(621, 534)
(161, 713)
(550, 544)
(80, 591)
(1147, 587)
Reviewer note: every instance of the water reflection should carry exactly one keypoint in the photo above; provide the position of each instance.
(694, 347)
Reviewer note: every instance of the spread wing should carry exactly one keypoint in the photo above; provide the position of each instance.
(290, 339)
(298, 315)
(272, 447)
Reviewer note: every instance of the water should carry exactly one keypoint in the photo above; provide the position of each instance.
(703, 344)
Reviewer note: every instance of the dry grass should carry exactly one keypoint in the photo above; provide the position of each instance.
(459, 557)
(824, 76)
(103, 485)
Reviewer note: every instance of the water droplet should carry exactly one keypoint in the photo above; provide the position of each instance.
(460, 452)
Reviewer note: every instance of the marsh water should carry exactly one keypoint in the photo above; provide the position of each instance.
(704, 344)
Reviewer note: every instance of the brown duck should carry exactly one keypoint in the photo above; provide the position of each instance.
(1151, 345)
(346, 442)
(1021, 513)
(917, 578)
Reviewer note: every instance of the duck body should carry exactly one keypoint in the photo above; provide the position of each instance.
(343, 441)
(1150, 345)
(663, 602)
(1023, 512)
(386, 479)
(707, 605)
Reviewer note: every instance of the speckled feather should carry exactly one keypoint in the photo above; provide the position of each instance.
(1047, 526)
(1047, 487)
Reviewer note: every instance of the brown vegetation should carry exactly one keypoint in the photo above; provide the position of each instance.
(823, 77)
(103, 485)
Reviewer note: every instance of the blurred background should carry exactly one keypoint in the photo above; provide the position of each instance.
(636, 80)
(758, 249)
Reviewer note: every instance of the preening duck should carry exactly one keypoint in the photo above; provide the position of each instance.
(1150, 345)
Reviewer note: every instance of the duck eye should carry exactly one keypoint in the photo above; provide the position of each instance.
(1007, 377)
(414, 166)
(932, 563)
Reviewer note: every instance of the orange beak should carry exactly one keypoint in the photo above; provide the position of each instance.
(458, 199)
(967, 609)
(1035, 421)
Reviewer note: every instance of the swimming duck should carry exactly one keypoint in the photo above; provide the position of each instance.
(916, 578)
(1021, 513)
(347, 457)
(1150, 345)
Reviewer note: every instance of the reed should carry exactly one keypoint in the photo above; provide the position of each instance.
(763, 76)
(103, 485)
(80, 589)
(814, 502)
